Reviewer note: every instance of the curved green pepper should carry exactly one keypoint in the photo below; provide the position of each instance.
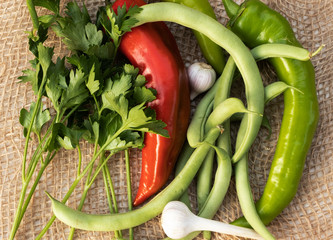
(212, 52)
(255, 23)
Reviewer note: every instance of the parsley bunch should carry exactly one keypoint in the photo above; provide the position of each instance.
(97, 99)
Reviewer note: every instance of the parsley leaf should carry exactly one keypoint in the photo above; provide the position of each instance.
(124, 18)
(40, 65)
(52, 5)
(127, 140)
(115, 103)
(54, 89)
(92, 84)
(108, 125)
(47, 20)
(26, 117)
(65, 137)
(78, 32)
(116, 25)
(76, 91)
(138, 119)
(32, 77)
(142, 95)
(35, 40)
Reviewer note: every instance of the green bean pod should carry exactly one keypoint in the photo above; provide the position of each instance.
(196, 128)
(256, 24)
(181, 162)
(246, 201)
(275, 89)
(224, 111)
(204, 179)
(212, 52)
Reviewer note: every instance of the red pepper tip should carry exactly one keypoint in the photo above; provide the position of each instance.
(139, 199)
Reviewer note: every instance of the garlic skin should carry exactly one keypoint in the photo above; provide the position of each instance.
(201, 76)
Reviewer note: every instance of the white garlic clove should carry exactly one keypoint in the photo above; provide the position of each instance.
(202, 77)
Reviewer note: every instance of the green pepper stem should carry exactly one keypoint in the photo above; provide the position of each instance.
(312, 54)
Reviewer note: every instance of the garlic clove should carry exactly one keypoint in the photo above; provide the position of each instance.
(202, 77)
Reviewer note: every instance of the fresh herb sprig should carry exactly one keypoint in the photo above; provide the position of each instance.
(97, 99)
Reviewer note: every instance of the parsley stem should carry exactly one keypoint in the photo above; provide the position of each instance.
(25, 153)
(80, 159)
(110, 185)
(86, 188)
(18, 211)
(33, 14)
(37, 155)
(23, 203)
(129, 188)
(84, 194)
(25, 180)
(41, 147)
(110, 194)
(48, 159)
(69, 114)
(80, 176)
(97, 106)
(34, 114)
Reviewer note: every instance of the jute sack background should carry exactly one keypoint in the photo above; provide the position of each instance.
(309, 216)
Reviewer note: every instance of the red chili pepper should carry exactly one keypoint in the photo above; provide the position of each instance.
(153, 49)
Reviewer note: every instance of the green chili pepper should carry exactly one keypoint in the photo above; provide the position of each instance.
(212, 52)
(256, 24)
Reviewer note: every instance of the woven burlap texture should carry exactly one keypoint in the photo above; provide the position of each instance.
(309, 216)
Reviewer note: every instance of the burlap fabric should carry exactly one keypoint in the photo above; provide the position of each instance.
(309, 216)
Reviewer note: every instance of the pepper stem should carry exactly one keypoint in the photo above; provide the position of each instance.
(230, 7)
